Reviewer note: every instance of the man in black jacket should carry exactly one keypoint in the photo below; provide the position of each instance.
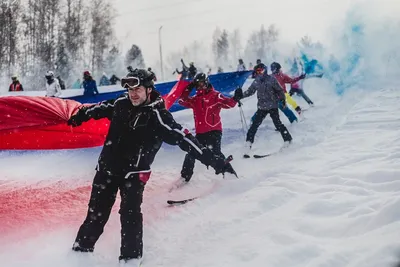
(139, 124)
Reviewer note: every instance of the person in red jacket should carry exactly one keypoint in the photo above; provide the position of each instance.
(206, 104)
(15, 85)
(284, 79)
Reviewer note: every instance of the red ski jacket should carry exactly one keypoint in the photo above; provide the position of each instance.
(206, 105)
(283, 79)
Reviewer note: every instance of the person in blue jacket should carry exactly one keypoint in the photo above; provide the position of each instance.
(89, 85)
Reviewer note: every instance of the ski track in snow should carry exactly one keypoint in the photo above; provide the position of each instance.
(331, 199)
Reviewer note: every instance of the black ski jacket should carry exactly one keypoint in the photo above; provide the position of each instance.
(137, 133)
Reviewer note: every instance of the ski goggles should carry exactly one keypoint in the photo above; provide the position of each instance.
(130, 83)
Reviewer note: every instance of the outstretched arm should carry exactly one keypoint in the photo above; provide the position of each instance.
(174, 134)
(252, 89)
(226, 102)
(97, 111)
(185, 100)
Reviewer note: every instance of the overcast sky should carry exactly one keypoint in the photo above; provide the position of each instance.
(184, 21)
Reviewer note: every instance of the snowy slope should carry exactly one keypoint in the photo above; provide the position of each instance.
(330, 200)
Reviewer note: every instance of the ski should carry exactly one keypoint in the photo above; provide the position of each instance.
(262, 156)
(181, 202)
(184, 201)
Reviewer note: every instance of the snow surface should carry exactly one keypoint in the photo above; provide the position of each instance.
(331, 199)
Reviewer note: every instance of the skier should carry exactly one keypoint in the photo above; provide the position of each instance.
(104, 81)
(297, 87)
(139, 124)
(259, 68)
(192, 70)
(114, 79)
(285, 109)
(89, 84)
(206, 104)
(282, 80)
(53, 88)
(241, 66)
(269, 94)
(15, 85)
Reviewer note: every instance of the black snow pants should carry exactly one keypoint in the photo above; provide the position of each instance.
(102, 198)
(211, 140)
(258, 119)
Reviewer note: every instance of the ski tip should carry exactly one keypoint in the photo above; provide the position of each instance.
(261, 156)
(179, 202)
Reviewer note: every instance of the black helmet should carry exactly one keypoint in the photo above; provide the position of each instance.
(201, 78)
(275, 67)
(143, 77)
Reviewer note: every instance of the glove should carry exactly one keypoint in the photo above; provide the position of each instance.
(190, 86)
(302, 76)
(238, 94)
(223, 166)
(77, 119)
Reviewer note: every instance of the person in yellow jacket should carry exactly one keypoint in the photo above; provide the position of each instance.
(282, 80)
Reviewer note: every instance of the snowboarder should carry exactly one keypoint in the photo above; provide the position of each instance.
(284, 79)
(15, 85)
(89, 84)
(269, 94)
(206, 104)
(53, 88)
(139, 124)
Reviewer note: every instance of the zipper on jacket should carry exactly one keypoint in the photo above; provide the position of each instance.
(139, 156)
(137, 118)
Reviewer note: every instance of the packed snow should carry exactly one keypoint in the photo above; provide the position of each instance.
(330, 199)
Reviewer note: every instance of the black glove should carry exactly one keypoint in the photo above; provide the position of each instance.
(238, 94)
(190, 86)
(78, 118)
(302, 76)
(223, 166)
(218, 163)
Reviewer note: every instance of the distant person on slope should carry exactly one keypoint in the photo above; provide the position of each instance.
(114, 79)
(206, 105)
(139, 124)
(283, 79)
(15, 85)
(89, 84)
(241, 66)
(53, 88)
(104, 81)
(192, 70)
(269, 94)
